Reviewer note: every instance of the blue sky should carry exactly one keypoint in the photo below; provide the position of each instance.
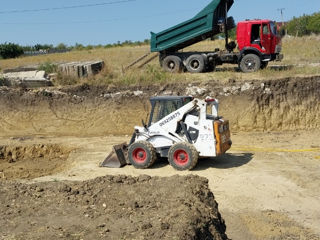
(131, 20)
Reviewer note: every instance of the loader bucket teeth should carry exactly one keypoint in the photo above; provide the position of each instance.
(117, 158)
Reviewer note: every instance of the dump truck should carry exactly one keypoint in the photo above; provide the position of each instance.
(258, 42)
(182, 129)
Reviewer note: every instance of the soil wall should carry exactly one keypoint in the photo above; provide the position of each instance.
(275, 105)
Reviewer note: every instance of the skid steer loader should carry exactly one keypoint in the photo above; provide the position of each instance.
(182, 129)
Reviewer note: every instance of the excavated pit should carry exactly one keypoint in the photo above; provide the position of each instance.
(84, 111)
(117, 207)
(32, 161)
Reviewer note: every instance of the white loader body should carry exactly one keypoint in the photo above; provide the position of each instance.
(181, 129)
(162, 133)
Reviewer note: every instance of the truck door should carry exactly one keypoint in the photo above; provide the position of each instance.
(266, 38)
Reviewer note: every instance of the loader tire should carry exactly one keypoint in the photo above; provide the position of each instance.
(183, 156)
(195, 63)
(172, 64)
(250, 63)
(142, 154)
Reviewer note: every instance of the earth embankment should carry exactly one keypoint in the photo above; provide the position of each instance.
(274, 105)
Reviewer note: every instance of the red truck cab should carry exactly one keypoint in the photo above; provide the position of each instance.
(259, 37)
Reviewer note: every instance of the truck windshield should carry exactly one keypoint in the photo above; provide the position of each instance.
(273, 28)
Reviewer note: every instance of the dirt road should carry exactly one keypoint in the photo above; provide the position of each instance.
(266, 187)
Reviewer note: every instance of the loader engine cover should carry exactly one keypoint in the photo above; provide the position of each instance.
(222, 134)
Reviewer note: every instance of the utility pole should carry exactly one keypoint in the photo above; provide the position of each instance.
(281, 10)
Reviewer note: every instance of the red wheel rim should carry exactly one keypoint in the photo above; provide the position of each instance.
(181, 157)
(139, 155)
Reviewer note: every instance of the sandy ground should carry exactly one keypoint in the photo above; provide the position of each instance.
(267, 186)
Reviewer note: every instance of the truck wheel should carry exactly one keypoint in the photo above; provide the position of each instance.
(195, 64)
(183, 156)
(172, 64)
(250, 63)
(211, 67)
(142, 154)
(264, 65)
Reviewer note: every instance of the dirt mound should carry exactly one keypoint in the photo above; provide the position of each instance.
(282, 104)
(111, 207)
(27, 162)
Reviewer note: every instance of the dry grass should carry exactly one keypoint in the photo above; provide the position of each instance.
(297, 51)
(301, 50)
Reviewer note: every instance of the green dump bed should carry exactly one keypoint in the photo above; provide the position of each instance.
(204, 25)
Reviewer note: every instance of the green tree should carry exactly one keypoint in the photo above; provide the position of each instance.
(298, 26)
(61, 47)
(10, 50)
(38, 47)
(314, 23)
(78, 46)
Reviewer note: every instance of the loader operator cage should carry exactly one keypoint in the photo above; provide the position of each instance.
(163, 106)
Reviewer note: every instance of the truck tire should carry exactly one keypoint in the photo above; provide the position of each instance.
(250, 63)
(172, 64)
(142, 154)
(183, 156)
(195, 63)
(211, 67)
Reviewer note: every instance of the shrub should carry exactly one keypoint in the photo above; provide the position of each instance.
(10, 50)
(48, 67)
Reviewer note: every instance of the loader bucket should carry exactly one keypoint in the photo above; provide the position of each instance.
(117, 158)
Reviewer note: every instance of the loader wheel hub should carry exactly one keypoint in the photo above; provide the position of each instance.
(139, 155)
(181, 157)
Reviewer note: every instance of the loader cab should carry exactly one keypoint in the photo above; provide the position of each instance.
(164, 105)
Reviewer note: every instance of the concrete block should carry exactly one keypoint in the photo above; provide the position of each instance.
(81, 69)
(28, 79)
